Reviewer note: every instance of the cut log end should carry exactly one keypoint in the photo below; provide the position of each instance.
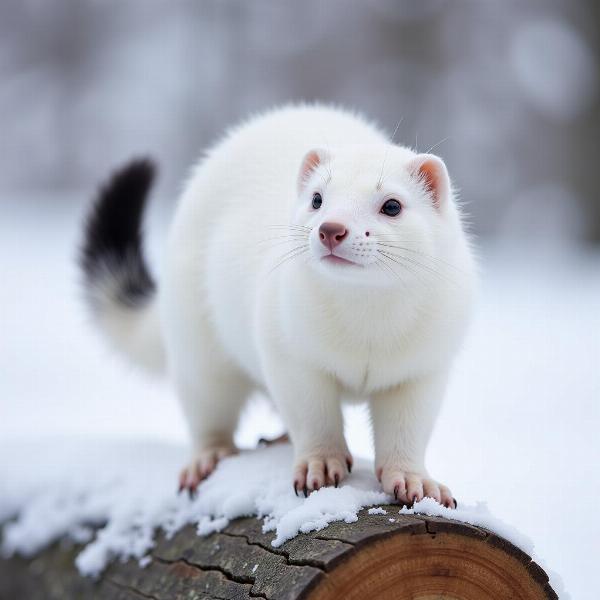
(458, 562)
(380, 556)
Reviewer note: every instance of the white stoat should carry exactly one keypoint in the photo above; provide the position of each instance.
(309, 257)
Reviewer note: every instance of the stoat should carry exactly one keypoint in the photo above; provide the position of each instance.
(309, 257)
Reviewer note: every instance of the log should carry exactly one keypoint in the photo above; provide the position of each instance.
(388, 556)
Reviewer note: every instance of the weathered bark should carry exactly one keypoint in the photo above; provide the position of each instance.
(409, 557)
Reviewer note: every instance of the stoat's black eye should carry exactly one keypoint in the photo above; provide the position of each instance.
(391, 208)
(317, 200)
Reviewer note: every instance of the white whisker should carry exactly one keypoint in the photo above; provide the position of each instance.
(438, 144)
(289, 255)
(380, 180)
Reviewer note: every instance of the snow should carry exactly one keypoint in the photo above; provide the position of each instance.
(144, 561)
(478, 514)
(377, 511)
(109, 485)
(83, 436)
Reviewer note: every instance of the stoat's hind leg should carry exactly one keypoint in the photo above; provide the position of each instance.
(211, 388)
(212, 392)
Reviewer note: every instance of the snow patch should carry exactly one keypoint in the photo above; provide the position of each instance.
(478, 515)
(128, 492)
(377, 511)
(144, 561)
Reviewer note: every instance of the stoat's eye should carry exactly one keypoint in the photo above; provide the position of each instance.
(391, 208)
(317, 200)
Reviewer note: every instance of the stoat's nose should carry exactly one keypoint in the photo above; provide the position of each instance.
(332, 234)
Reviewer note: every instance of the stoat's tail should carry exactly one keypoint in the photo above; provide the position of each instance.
(119, 288)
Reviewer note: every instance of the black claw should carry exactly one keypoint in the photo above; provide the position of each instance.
(336, 480)
(455, 502)
(295, 488)
(305, 490)
(349, 465)
(396, 492)
(181, 488)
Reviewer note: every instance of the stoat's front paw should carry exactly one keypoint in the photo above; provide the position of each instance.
(202, 465)
(410, 486)
(316, 469)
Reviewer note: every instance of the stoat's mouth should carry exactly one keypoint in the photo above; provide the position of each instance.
(334, 259)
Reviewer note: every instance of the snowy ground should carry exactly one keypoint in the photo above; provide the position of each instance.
(519, 429)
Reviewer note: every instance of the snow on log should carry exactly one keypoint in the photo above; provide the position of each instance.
(391, 555)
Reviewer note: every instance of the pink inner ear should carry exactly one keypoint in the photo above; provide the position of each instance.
(429, 177)
(432, 173)
(310, 162)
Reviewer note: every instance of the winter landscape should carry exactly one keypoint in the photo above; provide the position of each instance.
(506, 93)
(84, 438)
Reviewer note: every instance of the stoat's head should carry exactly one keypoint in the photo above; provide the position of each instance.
(377, 216)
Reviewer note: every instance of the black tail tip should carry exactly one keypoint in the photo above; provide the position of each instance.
(138, 171)
(113, 230)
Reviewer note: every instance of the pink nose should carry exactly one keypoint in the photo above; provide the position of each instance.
(332, 234)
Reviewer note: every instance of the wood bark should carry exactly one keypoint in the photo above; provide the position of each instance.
(388, 556)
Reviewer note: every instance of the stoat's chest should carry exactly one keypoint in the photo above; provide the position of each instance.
(366, 346)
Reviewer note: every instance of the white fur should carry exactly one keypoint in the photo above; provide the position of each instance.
(307, 331)
(133, 330)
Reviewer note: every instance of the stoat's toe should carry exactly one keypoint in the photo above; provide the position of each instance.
(202, 465)
(409, 487)
(320, 469)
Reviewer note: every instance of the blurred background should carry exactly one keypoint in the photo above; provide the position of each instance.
(508, 93)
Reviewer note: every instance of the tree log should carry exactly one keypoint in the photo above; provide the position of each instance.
(380, 556)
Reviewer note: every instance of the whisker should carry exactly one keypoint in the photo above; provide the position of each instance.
(412, 261)
(436, 145)
(396, 129)
(384, 265)
(292, 237)
(434, 272)
(410, 269)
(433, 259)
(291, 234)
(391, 238)
(380, 180)
(388, 235)
(293, 249)
(289, 255)
(282, 242)
(396, 260)
(302, 227)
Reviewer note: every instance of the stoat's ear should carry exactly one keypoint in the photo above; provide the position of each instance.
(310, 162)
(430, 171)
